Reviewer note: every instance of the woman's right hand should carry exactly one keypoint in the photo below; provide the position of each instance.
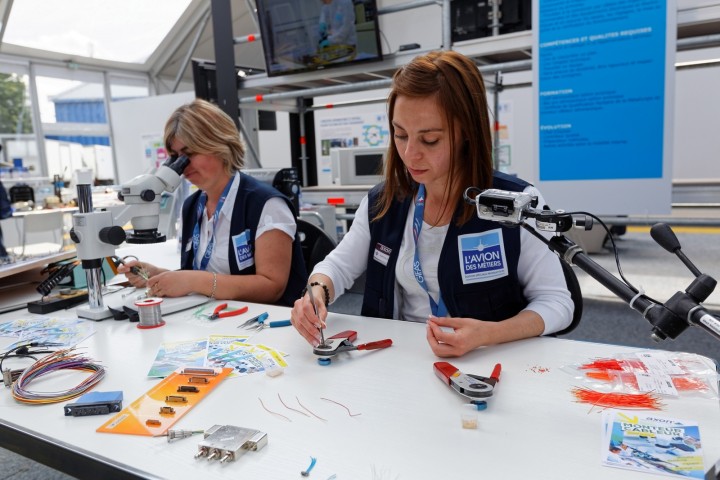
(304, 319)
(136, 272)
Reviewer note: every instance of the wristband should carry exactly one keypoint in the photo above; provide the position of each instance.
(214, 286)
(326, 291)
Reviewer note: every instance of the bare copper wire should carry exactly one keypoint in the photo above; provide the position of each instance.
(274, 413)
(308, 410)
(338, 403)
(290, 408)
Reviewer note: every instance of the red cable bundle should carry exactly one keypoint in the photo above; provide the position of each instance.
(617, 400)
(680, 383)
(613, 364)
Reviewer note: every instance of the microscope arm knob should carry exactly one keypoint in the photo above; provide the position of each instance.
(147, 195)
(114, 235)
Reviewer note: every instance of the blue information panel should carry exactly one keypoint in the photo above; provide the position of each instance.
(601, 80)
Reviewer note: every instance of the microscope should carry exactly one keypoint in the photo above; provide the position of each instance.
(97, 233)
(668, 320)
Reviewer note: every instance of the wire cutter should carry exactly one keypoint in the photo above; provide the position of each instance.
(275, 323)
(466, 384)
(343, 342)
(254, 321)
(219, 313)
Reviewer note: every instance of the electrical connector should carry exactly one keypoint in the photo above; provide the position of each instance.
(227, 442)
(173, 435)
(7, 377)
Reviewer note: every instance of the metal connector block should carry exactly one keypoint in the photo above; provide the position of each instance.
(7, 377)
(227, 442)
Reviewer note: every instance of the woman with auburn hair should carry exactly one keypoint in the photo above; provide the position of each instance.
(427, 256)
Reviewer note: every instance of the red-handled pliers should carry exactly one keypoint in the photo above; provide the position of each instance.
(218, 312)
(467, 384)
(343, 342)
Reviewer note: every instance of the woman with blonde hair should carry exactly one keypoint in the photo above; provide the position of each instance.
(238, 236)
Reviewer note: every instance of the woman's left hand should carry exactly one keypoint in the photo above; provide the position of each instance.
(459, 335)
(465, 334)
(171, 284)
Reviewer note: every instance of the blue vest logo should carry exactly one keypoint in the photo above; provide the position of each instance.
(482, 256)
(243, 250)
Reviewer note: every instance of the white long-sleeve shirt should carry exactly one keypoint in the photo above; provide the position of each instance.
(539, 271)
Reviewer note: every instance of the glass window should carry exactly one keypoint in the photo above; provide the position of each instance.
(19, 155)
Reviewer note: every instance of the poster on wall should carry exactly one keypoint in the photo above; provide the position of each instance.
(503, 148)
(359, 127)
(154, 151)
(603, 91)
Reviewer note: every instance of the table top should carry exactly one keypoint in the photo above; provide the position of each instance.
(409, 424)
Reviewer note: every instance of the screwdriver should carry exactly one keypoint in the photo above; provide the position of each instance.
(312, 301)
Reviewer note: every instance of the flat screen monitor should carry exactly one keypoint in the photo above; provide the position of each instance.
(305, 35)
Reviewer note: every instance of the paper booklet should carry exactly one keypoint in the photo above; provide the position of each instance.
(653, 444)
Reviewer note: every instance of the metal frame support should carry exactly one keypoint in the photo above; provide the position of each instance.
(225, 59)
(107, 99)
(188, 56)
(37, 121)
(303, 143)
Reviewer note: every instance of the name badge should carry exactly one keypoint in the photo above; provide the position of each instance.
(382, 254)
(482, 256)
(243, 250)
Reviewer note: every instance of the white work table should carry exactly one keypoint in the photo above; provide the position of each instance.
(409, 427)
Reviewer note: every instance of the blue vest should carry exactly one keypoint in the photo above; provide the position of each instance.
(251, 197)
(493, 300)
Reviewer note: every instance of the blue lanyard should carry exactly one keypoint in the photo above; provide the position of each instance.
(202, 201)
(438, 309)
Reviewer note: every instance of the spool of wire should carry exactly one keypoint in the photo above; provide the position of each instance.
(149, 313)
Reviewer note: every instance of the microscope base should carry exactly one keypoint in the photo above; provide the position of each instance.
(95, 314)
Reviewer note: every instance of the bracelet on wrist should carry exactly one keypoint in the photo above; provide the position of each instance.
(326, 291)
(214, 286)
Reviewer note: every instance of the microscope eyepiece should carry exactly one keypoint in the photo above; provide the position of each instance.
(177, 163)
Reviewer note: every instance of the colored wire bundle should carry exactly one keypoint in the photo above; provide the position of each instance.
(617, 400)
(61, 360)
(686, 383)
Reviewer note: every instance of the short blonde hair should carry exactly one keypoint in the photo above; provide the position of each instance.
(204, 128)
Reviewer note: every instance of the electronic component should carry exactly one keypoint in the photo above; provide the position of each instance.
(199, 371)
(188, 388)
(7, 377)
(504, 206)
(176, 399)
(153, 422)
(173, 435)
(198, 380)
(227, 442)
(95, 403)
(167, 411)
(57, 273)
(57, 302)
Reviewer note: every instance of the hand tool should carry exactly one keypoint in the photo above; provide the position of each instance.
(252, 322)
(134, 269)
(342, 342)
(466, 384)
(312, 302)
(219, 313)
(276, 323)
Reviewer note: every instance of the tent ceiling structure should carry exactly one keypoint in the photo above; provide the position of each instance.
(192, 37)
